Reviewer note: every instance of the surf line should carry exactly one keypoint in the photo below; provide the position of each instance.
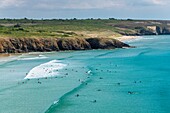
(58, 102)
(82, 84)
(49, 69)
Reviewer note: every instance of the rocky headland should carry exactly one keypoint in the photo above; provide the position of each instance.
(22, 45)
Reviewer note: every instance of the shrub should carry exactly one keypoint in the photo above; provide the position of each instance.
(17, 25)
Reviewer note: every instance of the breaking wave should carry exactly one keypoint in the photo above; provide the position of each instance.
(49, 69)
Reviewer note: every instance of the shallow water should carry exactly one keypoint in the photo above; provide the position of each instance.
(135, 80)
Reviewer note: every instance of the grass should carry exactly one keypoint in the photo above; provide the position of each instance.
(28, 31)
(69, 28)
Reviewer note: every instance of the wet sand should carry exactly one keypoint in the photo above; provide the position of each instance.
(7, 56)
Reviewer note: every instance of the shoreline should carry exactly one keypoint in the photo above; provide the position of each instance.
(8, 56)
(127, 38)
(2, 55)
(89, 44)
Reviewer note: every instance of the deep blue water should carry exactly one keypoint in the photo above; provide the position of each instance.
(135, 80)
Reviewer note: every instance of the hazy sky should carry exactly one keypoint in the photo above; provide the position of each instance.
(137, 9)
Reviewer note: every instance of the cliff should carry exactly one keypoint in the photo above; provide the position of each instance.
(154, 30)
(143, 27)
(20, 45)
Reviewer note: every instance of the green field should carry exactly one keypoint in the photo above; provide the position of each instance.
(61, 28)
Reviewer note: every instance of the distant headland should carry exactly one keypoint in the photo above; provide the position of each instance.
(29, 35)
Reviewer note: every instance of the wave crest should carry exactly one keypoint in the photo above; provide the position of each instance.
(49, 69)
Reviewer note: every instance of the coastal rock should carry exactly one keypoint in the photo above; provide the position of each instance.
(21, 45)
(147, 30)
(162, 30)
(105, 43)
(6, 46)
(73, 44)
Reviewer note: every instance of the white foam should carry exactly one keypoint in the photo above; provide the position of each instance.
(33, 58)
(48, 69)
(135, 39)
(8, 59)
(149, 38)
(55, 102)
(89, 72)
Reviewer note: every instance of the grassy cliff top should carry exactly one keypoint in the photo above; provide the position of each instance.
(75, 28)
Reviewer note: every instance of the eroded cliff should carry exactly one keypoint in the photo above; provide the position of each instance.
(21, 45)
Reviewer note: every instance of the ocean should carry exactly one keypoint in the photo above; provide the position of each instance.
(134, 80)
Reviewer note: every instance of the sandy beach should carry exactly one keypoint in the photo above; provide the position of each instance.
(126, 38)
(4, 55)
(7, 57)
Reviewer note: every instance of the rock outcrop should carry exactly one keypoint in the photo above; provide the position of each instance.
(21, 45)
(105, 43)
(148, 30)
(162, 30)
(18, 45)
(73, 44)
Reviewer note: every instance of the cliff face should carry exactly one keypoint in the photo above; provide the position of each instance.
(73, 44)
(149, 30)
(162, 30)
(105, 43)
(20, 45)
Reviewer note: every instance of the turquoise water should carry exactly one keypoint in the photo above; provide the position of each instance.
(135, 80)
